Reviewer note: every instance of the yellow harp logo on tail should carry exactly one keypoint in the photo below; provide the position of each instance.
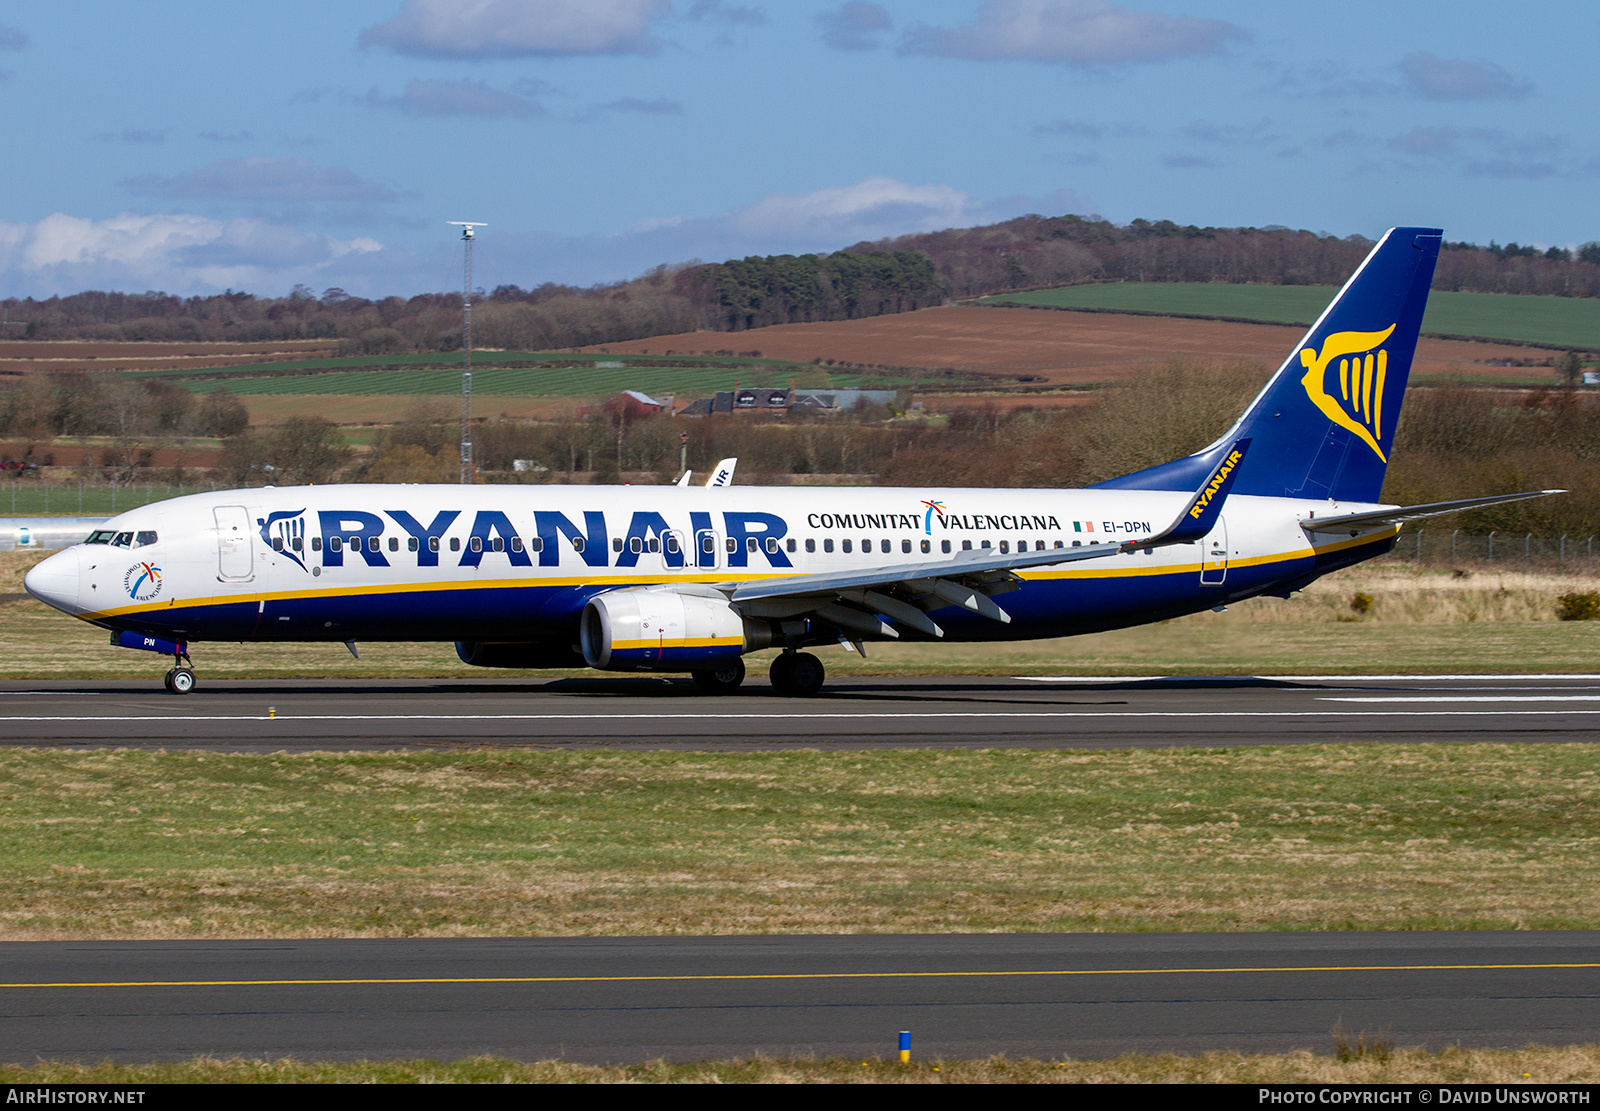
(1362, 367)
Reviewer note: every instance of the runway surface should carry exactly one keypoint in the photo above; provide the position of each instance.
(627, 712)
(635, 999)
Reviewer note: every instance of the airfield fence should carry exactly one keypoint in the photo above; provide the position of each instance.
(1500, 551)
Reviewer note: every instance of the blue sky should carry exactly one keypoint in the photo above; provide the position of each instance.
(193, 147)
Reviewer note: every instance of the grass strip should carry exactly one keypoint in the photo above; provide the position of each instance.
(136, 844)
(1531, 1065)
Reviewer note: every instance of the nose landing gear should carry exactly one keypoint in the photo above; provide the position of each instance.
(180, 680)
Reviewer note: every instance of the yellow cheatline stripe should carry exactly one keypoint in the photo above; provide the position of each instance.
(799, 976)
(683, 642)
(657, 580)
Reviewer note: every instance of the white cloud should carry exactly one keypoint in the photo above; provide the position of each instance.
(870, 209)
(1433, 78)
(455, 98)
(519, 28)
(179, 253)
(259, 178)
(1074, 32)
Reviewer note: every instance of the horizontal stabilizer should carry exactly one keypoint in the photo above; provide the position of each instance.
(1379, 518)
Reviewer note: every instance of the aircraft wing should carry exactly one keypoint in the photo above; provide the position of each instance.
(1380, 517)
(856, 602)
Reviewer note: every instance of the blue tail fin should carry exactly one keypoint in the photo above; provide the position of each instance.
(1323, 425)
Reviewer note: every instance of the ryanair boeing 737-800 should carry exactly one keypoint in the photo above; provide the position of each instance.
(689, 579)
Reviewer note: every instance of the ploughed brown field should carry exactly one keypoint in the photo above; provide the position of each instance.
(25, 355)
(1062, 348)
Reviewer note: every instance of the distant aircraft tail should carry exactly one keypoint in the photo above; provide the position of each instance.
(1323, 425)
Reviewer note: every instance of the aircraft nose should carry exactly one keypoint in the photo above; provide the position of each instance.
(54, 581)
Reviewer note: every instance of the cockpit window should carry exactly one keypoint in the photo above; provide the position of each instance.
(122, 540)
(101, 536)
(143, 539)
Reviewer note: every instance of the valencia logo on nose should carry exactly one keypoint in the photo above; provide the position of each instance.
(1362, 366)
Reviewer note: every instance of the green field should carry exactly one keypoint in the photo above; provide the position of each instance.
(1562, 321)
(509, 373)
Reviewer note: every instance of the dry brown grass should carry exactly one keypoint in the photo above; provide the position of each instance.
(1528, 1066)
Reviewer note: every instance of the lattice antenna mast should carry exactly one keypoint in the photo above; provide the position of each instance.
(467, 236)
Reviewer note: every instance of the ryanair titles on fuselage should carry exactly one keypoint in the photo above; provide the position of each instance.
(727, 538)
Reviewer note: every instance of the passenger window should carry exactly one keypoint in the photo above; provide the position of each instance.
(476, 543)
(536, 544)
(866, 547)
(827, 546)
(750, 544)
(707, 544)
(944, 546)
(811, 544)
(672, 543)
(499, 543)
(372, 543)
(577, 543)
(516, 543)
(1005, 546)
(616, 543)
(772, 545)
(1077, 543)
(905, 546)
(412, 545)
(394, 543)
(1059, 544)
(966, 545)
(455, 543)
(277, 543)
(927, 546)
(655, 543)
(985, 544)
(335, 543)
(316, 543)
(635, 545)
(298, 543)
(732, 545)
(791, 543)
(846, 547)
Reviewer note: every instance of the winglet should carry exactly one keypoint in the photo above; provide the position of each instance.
(1199, 517)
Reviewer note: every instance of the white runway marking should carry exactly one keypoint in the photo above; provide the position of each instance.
(1464, 698)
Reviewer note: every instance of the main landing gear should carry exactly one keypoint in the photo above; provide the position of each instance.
(722, 680)
(797, 674)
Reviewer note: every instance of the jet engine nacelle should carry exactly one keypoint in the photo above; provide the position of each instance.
(665, 630)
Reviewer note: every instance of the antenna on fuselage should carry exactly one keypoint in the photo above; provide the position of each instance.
(467, 236)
